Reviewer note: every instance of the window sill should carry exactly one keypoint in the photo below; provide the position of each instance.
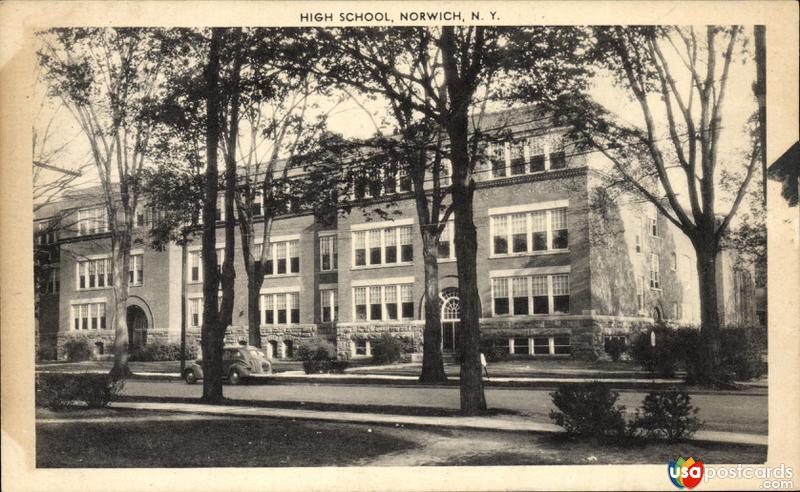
(326, 271)
(539, 315)
(535, 253)
(280, 324)
(91, 289)
(382, 321)
(446, 260)
(389, 265)
(282, 275)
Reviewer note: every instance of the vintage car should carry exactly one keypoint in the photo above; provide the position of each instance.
(237, 362)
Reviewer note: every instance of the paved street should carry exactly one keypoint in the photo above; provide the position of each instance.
(723, 412)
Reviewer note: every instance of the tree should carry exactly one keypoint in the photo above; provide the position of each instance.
(108, 80)
(643, 61)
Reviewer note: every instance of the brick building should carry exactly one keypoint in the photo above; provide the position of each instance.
(557, 275)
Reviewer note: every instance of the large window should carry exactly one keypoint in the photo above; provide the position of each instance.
(531, 155)
(53, 281)
(92, 221)
(653, 221)
(329, 307)
(46, 233)
(328, 257)
(136, 270)
(447, 250)
(530, 232)
(556, 345)
(383, 246)
(94, 274)
(283, 257)
(655, 280)
(89, 316)
(281, 308)
(640, 293)
(195, 266)
(383, 302)
(534, 294)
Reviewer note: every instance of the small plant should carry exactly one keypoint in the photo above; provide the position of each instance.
(615, 347)
(159, 351)
(325, 366)
(78, 349)
(589, 410)
(58, 391)
(387, 349)
(668, 414)
(316, 349)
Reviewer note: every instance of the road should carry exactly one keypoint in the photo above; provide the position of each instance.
(722, 412)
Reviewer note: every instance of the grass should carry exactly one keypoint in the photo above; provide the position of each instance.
(134, 438)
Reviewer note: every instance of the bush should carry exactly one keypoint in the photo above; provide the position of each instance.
(387, 349)
(45, 353)
(78, 349)
(316, 349)
(615, 347)
(325, 366)
(589, 410)
(661, 360)
(741, 354)
(668, 414)
(57, 391)
(158, 351)
(494, 349)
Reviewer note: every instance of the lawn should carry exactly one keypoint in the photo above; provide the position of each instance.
(115, 438)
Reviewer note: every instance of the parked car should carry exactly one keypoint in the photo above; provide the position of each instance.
(237, 363)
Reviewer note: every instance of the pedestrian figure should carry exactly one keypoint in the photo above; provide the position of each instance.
(483, 364)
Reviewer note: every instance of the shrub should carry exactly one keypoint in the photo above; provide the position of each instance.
(589, 410)
(325, 366)
(662, 359)
(78, 349)
(494, 349)
(615, 347)
(668, 414)
(316, 349)
(46, 353)
(741, 353)
(57, 391)
(158, 351)
(387, 349)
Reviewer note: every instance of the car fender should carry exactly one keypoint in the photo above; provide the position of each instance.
(197, 370)
(243, 369)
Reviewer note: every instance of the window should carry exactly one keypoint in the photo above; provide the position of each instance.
(360, 248)
(547, 230)
(380, 246)
(258, 205)
(328, 258)
(283, 257)
(521, 346)
(268, 309)
(560, 293)
(446, 250)
(46, 233)
(537, 155)
(53, 281)
(519, 233)
(383, 303)
(375, 312)
(519, 291)
(328, 305)
(89, 316)
(544, 294)
(405, 182)
(654, 277)
(280, 308)
(446, 172)
(283, 308)
(640, 293)
(294, 256)
(558, 160)
(195, 266)
(293, 299)
(676, 310)
(361, 347)
(517, 157)
(94, 274)
(280, 255)
(92, 221)
(500, 240)
(360, 303)
(653, 217)
(638, 240)
(195, 312)
(673, 262)
(500, 296)
(555, 345)
(497, 156)
(136, 270)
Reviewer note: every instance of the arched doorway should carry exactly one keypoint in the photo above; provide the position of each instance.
(451, 321)
(137, 326)
(657, 317)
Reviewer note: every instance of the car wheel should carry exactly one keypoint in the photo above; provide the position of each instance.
(190, 377)
(234, 377)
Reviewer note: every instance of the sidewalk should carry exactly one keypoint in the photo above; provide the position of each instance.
(494, 423)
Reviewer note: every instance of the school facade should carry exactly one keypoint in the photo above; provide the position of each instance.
(557, 277)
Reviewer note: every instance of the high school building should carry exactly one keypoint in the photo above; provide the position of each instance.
(557, 276)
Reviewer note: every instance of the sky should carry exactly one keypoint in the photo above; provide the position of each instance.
(358, 116)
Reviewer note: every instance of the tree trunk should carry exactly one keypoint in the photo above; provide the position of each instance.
(709, 313)
(209, 335)
(253, 314)
(121, 254)
(473, 401)
(432, 364)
